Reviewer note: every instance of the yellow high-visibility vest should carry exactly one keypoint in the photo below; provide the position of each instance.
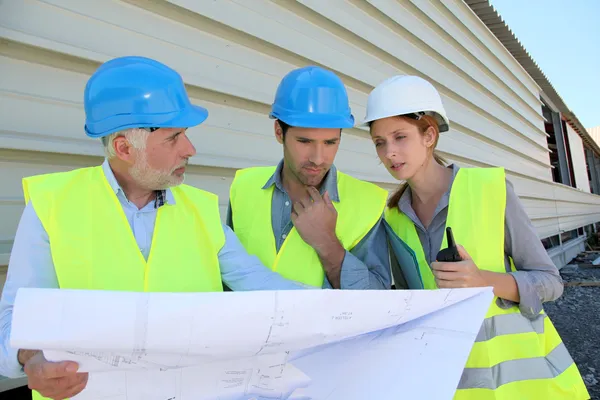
(513, 357)
(93, 246)
(361, 205)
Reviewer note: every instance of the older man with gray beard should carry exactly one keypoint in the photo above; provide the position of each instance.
(128, 224)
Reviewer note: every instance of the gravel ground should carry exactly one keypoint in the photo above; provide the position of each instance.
(576, 316)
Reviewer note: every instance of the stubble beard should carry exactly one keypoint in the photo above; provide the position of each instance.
(151, 178)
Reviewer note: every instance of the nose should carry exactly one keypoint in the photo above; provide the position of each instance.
(188, 149)
(317, 154)
(390, 151)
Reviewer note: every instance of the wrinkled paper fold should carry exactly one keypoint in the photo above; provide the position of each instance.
(307, 344)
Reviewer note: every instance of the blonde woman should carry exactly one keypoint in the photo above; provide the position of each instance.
(518, 354)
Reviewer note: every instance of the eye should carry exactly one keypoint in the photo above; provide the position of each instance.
(331, 142)
(303, 140)
(175, 136)
(399, 137)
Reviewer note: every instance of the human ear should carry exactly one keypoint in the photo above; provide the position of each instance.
(430, 137)
(123, 149)
(278, 132)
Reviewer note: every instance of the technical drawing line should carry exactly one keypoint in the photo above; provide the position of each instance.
(141, 326)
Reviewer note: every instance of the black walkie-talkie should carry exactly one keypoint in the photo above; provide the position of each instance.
(449, 254)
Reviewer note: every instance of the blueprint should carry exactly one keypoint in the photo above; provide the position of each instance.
(310, 344)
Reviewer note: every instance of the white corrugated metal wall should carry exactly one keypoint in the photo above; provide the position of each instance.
(232, 54)
(595, 133)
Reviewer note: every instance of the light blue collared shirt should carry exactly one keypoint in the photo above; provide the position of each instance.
(31, 263)
(365, 266)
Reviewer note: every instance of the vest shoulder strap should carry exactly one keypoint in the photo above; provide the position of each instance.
(361, 192)
(361, 205)
(207, 205)
(48, 189)
(53, 181)
(245, 179)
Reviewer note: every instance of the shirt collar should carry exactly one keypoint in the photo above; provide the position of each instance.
(162, 196)
(405, 202)
(329, 183)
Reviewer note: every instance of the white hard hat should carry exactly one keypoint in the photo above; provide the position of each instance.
(405, 94)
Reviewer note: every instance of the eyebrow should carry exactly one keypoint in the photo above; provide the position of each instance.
(313, 140)
(401, 130)
(175, 133)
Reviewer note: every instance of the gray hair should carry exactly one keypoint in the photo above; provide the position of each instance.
(136, 136)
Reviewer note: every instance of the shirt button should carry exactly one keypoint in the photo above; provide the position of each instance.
(284, 236)
(287, 203)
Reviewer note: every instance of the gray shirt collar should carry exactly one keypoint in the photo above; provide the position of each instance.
(405, 202)
(329, 183)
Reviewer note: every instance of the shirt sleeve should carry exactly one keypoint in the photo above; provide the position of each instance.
(30, 265)
(367, 265)
(538, 279)
(242, 271)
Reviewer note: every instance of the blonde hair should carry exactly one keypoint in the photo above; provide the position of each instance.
(136, 136)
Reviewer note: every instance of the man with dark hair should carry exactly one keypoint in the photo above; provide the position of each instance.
(303, 218)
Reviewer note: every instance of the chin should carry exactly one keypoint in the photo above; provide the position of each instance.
(175, 180)
(312, 181)
(401, 175)
(315, 182)
(178, 181)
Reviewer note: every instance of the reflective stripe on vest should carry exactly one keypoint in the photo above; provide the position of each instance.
(361, 205)
(512, 357)
(93, 246)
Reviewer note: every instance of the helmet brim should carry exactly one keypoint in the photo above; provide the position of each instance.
(316, 121)
(191, 116)
(442, 120)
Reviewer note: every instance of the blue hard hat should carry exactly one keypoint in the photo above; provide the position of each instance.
(312, 97)
(137, 92)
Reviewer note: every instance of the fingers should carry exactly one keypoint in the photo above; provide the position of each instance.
(53, 379)
(47, 370)
(76, 387)
(59, 369)
(442, 284)
(327, 200)
(448, 275)
(64, 387)
(71, 380)
(448, 266)
(447, 280)
(314, 194)
(463, 253)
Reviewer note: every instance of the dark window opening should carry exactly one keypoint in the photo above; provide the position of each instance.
(558, 144)
(550, 242)
(589, 229)
(569, 235)
(592, 170)
(551, 139)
